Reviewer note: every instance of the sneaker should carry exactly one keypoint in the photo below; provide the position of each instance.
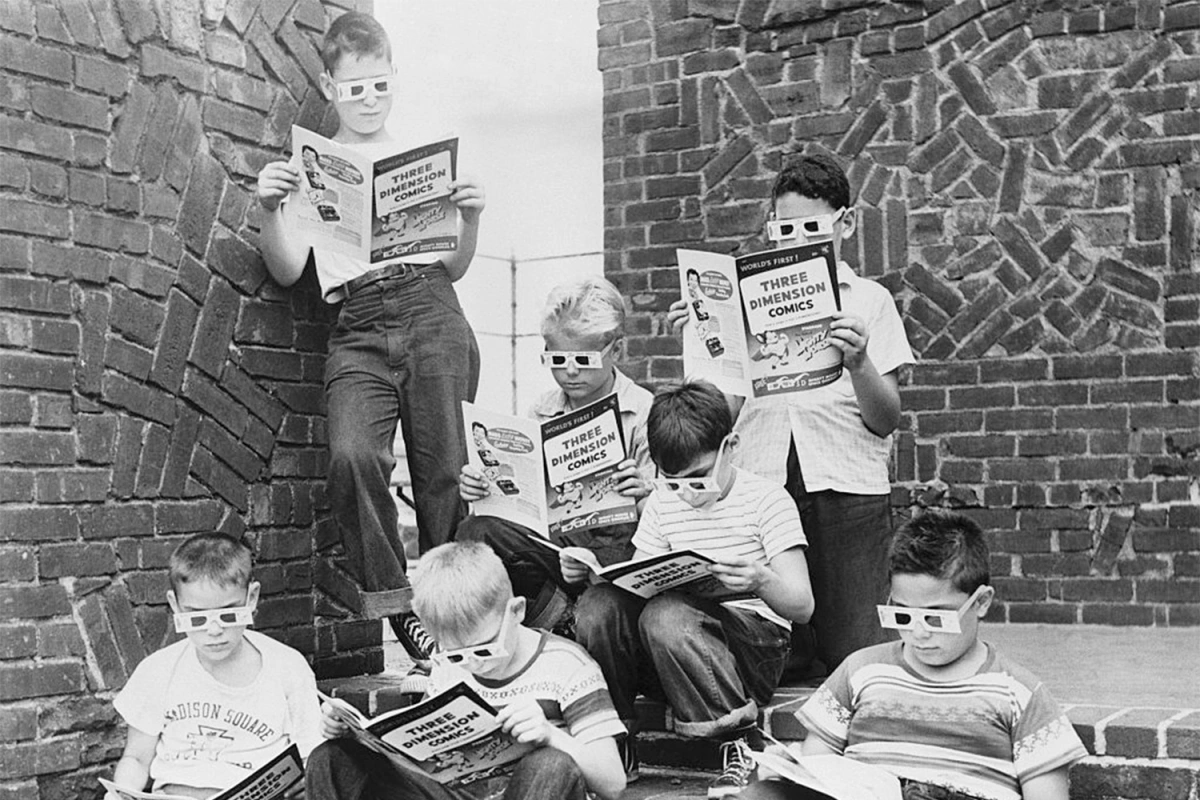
(627, 747)
(737, 770)
(412, 636)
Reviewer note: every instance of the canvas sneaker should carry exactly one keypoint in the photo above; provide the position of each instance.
(412, 636)
(627, 746)
(737, 770)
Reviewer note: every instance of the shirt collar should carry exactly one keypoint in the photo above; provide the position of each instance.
(557, 403)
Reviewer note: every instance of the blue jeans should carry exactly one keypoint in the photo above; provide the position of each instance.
(714, 665)
(848, 539)
(401, 351)
(343, 769)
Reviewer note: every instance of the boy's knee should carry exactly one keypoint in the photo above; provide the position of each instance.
(597, 609)
(667, 621)
(551, 761)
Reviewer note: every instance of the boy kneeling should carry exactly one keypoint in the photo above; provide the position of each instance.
(463, 596)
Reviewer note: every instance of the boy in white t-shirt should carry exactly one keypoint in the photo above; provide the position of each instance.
(207, 711)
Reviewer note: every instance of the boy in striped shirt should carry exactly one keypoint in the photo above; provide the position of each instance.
(715, 663)
(941, 709)
(548, 690)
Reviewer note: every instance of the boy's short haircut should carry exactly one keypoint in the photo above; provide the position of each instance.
(585, 308)
(944, 544)
(216, 557)
(685, 422)
(815, 176)
(354, 34)
(458, 584)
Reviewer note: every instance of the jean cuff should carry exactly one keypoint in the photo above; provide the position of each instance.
(738, 718)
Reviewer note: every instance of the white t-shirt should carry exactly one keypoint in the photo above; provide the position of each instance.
(212, 735)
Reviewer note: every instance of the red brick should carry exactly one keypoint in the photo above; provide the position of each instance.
(77, 485)
(65, 560)
(187, 517)
(39, 758)
(150, 463)
(28, 447)
(38, 523)
(117, 520)
(97, 436)
(111, 233)
(33, 602)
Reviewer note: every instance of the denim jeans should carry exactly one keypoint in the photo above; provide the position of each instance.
(534, 570)
(342, 769)
(714, 665)
(848, 538)
(401, 351)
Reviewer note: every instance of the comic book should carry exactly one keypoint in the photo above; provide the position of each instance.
(268, 782)
(452, 737)
(831, 776)
(758, 325)
(552, 477)
(681, 570)
(379, 209)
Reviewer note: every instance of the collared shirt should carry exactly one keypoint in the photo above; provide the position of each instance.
(834, 446)
(634, 402)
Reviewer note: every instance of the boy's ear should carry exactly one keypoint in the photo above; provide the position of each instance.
(985, 601)
(517, 607)
(849, 222)
(252, 592)
(172, 601)
(325, 81)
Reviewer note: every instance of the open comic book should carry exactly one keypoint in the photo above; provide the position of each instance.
(452, 737)
(835, 777)
(681, 570)
(758, 325)
(552, 477)
(376, 209)
(268, 782)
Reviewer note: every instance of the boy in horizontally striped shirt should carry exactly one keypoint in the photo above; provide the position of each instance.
(940, 709)
(715, 663)
(550, 693)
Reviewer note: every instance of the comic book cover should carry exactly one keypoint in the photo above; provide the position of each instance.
(830, 776)
(376, 210)
(269, 782)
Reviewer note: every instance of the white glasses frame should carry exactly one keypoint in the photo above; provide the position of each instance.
(700, 483)
(482, 653)
(933, 620)
(582, 359)
(810, 228)
(192, 621)
(379, 86)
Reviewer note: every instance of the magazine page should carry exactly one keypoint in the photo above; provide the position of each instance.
(133, 794)
(507, 450)
(788, 299)
(582, 450)
(836, 777)
(714, 348)
(412, 212)
(681, 570)
(269, 782)
(334, 202)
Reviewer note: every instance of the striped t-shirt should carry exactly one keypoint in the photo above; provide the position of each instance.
(757, 519)
(983, 735)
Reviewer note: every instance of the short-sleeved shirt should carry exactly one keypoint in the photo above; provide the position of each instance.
(757, 519)
(565, 681)
(211, 735)
(834, 446)
(981, 735)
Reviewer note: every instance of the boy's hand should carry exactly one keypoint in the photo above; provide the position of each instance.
(276, 181)
(677, 315)
(629, 480)
(468, 196)
(848, 333)
(472, 485)
(295, 793)
(764, 772)
(331, 726)
(525, 721)
(573, 570)
(741, 574)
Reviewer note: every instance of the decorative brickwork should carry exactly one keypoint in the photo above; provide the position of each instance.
(155, 381)
(1027, 182)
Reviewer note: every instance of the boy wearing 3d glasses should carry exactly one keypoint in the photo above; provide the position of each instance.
(207, 711)
(583, 326)
(715, 663)
(548, 691)
(941, 709)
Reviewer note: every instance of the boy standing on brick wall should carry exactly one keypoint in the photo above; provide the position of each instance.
(940, 709)
(179, 701)
(401, 350)
(834, 458)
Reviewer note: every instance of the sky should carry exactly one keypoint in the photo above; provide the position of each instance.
(516, 81)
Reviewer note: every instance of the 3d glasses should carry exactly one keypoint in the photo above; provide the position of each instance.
(803, 228)
(357, 90)
(699, 484)
(191, 621)
(582, 359)
(477, 654)
(934, 620)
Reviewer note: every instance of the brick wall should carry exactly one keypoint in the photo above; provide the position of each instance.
(153, 380)
(1027, 182)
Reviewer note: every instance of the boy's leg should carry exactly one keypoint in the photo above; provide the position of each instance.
(546, 773)
(342, 769)
(533, 570)
(606, 624)
(440, 370)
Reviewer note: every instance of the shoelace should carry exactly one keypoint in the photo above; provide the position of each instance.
(417, 633)
(735, 761)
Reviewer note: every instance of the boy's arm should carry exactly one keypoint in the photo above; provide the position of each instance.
(782, 583)
(133, 768)
(468, 197)
(878, 395)
(598, 760)
(1047, 786)
(815, 746)
(284, 253)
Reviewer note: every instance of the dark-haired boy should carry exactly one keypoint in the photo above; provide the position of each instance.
(834, 462)
(209, 710)
(715, 663)
(941, 709)
(401, 350)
